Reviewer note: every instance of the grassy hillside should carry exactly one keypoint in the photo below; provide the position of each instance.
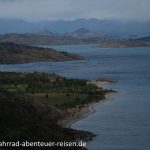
(22, 121)
(51, 90)
(11, 53)
(31, 104)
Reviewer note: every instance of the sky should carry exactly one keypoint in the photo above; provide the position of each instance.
(36, 10)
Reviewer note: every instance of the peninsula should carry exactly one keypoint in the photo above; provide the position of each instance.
(32, 104)
(11, 53)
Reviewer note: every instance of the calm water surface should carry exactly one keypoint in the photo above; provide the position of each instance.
(122, 122)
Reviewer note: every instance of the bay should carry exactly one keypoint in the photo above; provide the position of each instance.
(123, 121)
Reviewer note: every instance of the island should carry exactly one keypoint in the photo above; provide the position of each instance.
(32, 106)
(121, 43)
(11, 53)
(80, 36)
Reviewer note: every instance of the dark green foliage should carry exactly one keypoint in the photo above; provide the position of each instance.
(21, 120)
(46, 96)
(42, 82)
(32, 103)
(46, 87)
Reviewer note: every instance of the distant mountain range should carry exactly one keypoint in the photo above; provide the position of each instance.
(80, 36)
(38, 39)
(113, 28)
(83, 33)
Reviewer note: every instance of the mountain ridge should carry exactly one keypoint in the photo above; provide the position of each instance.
(105, 27)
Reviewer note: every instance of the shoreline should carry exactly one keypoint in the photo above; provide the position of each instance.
(84, 112)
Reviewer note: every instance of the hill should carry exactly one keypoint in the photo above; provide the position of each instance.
(80, 36)
(119, 43)
(11, 53)
(32, 104)
(104, 27)
(38, 39)
(22, 121)
(83, 33)
(145, 39)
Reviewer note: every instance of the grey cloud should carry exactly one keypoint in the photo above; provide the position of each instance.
(72, 9)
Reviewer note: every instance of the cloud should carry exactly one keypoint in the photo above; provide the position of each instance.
(72, 9)
(9, 1)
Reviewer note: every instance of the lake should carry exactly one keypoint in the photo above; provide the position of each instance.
(122, 122)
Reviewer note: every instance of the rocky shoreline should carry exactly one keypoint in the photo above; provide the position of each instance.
(37, 115)
(86, 109)
(82, 113)
(79, 114)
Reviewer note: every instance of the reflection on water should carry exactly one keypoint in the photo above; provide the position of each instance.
(123, 122)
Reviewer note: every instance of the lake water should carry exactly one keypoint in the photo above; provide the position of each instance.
(123, 121)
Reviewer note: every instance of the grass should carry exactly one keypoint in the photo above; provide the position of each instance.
(55, 98)
(52, 90)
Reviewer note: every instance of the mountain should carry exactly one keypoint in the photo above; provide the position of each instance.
(17, 26)
(146, 39)
(47, 32)
(114, 28)
(11, 53)
(81, 36)
(122, 43)
(82, 33)
(38, 39)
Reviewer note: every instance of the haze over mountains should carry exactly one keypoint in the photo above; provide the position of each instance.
(114, 28)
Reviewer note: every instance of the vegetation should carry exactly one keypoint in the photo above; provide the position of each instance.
(11, 53)
(23, 121)
(31, 104)
(51, 90)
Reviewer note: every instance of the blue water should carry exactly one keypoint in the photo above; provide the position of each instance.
(123, 121)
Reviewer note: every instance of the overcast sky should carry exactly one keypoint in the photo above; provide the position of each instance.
(72, 9)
